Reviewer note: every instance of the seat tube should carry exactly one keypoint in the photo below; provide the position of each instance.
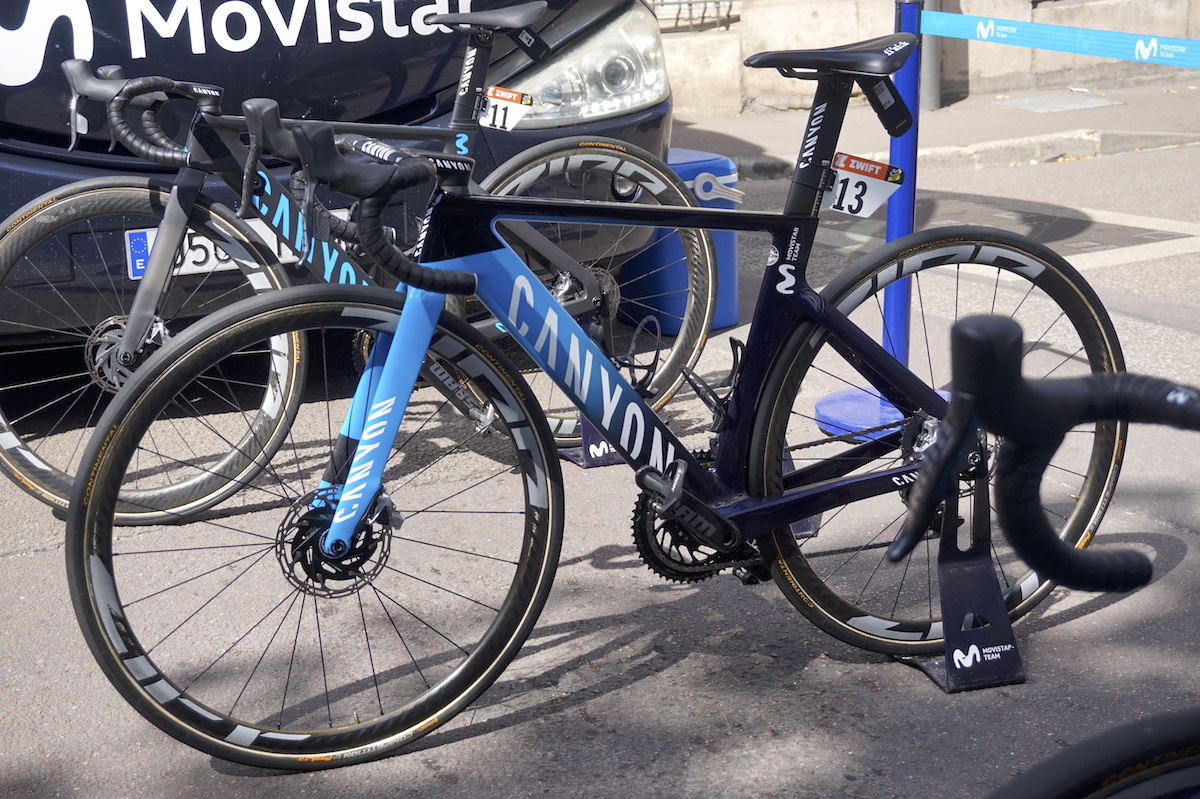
(469, 97)
(811, 176)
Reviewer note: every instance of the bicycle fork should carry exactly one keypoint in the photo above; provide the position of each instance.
(354, 476)
(168, 240)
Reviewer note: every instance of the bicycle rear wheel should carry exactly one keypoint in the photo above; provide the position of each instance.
(68, 274)
(667, 274)
(229, 631)
(833, 567)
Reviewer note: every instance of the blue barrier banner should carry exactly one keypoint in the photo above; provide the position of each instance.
(1082, 41)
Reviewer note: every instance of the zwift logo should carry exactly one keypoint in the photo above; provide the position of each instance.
(23, 50)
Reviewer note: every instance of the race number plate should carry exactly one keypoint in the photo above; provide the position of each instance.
(860, 185)
(504, 108)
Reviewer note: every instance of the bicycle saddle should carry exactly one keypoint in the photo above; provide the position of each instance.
(875, 57)
(512, 18)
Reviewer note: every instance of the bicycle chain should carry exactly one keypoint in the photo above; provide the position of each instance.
(853, 438)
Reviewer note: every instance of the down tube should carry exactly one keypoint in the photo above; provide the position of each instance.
(577, 365)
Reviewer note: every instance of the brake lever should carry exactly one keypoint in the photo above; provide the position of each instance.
(940, 462)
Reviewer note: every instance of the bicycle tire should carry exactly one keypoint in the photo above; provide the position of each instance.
(64, 270)
(680, 290)
(1152, 758)
(214, 629)
(832, 568)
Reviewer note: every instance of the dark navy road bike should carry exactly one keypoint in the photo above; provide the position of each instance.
(385, 562)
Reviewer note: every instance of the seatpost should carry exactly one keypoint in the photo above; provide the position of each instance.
(812, 173)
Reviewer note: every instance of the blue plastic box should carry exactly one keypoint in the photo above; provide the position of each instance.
(713, 180)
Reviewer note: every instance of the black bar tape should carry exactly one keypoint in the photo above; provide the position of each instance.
(122, 131)
(1019, 509)
(375, 184)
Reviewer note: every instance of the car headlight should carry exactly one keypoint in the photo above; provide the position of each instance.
(618, 69)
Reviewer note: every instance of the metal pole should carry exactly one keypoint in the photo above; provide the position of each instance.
(931, 65)
(901, 207)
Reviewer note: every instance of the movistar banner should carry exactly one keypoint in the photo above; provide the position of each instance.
(1082, 41)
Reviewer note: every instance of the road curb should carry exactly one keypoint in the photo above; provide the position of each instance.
(1068, 145)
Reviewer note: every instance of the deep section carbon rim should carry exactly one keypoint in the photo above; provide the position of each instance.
(231, 632)
(832, 566)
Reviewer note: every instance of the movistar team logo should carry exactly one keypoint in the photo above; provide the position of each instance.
(985, 31)
(1144, 51)
(965, 660)
(23, 50)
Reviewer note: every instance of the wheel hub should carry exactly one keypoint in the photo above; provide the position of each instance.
(306, 565)
(102, 352)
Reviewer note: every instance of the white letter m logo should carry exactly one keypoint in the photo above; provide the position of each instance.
(983, 31)
(23, 50)
(968, 660)
(1144, 51)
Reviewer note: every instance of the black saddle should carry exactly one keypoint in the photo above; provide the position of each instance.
(877, 57)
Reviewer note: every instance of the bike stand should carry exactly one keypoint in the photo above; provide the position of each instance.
(595, 451)
(981, 650)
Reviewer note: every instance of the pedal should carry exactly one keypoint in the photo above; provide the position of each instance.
(702, 522)
(756, 574)
(668, 485)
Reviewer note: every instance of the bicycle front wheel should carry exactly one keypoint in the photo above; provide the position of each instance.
(230, 630)
(668, 275)
(1152, 758)
(69, 270)
(832, 567)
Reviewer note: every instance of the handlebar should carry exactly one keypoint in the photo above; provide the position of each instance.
(1032, 418)
(374, 184)
(104, 85)
(149, 142)
(206, 97)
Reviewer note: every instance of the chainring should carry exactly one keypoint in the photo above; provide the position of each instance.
(672, 553)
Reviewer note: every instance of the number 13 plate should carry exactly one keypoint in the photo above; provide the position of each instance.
(861, 185)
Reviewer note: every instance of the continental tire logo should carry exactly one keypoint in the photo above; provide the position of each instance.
(792, 582)
(30, 213)
(605, 144)
(23, 50)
